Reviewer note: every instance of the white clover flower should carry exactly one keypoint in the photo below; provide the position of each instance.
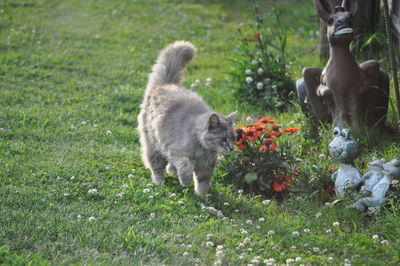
(318, 214)
(208, 236)
(66, 194)
(209, 244)
(120, 195)
(241, 245)
(249, 80)
(217, 262)
(185, 254)
(180, 202)
(293, 248)
(237, 211)
(266, 202)
(258, 227)
(125, 186)
(249, 222)
(260, 71)
(79, 217)
(328, 231)
(220, 247)
(259, 85)
(243, 231)
(336, 224)
(347, 262)
(375, 237)
(255, 261)
(298, 259)
(295, 234)
(72, 177)
(220, 253)
(146, 190)
(197, 82)
(83, 123)
(249, 118)
(250, 249)
(254, 62)
(330, 259)
(247, 240)
(262, 219)
(306, 231)
(385, 242)
(93, 191)
(152, 215)
(315, 249)
(242, 256)
(248, 72)
(226, 204)
(193, 85)
(274, 87)
(240, 191)
(271, 232)
(270, 261)
(208, 80)
(130, 176)
(95, 125)
(108, 132)
(289, 261)
(91, 218)
(173, 195)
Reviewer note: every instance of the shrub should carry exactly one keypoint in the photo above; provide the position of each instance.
(260, 67)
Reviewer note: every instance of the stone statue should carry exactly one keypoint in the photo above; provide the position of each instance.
(376, 184)
(344, 92)
(344, 150)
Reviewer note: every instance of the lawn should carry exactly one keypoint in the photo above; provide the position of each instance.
(72, 187)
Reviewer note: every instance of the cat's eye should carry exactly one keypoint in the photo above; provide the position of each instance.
(224, 139)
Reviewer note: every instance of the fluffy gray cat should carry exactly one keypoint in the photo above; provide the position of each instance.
(178, 131)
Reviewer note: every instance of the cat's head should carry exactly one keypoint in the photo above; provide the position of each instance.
(219, 133)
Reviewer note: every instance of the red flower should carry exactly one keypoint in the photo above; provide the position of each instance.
(263, 148)
(276, 134)
(257, 35)
(250, 135)
(273, 147)
(241, 147)
(290, 130)
(268, 141)
(264, 120)
(281, 183)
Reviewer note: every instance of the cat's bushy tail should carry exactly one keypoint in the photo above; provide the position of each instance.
(170, 63)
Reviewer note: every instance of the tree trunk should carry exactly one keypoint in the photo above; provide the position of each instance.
(365, 24)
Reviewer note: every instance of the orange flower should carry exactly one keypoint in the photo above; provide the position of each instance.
(273, 147)
(290, 130)
(276, 134)
(281, 183)
(240, 147)
(268, 141)
(264, 120)
(250, 134)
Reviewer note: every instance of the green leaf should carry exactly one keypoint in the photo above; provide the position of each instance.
(250, 177)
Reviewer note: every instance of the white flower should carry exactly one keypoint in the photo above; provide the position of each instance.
(180, 202)
(270, 261)
(328, 231)
(375, 237)
(289, 261)
(394, 182)
(262, 219)
(120, 195)
(91, 218)
(209, 244)
(260, 85)
(226, 204)
(243, 231)
(295, 233)
(240, 191)
(249, 222)
(242, 256)
(318, 214)
(260, 71)
(266, 202)
(347, 262)
(209, 236)
(130, 176)
(173, 195)
(185, 254)
(193, 85)
(125, 186)
(108, 132)
(255, 261)
(93, 191)
(247, 240)
(72, 177)
(197, 82)
(152, 215)
(220, 253)
(237, 211)
(249, 118)
(330, 259)
(220, 247)
(79, 217)
(95, 125)
(241, 245)
(385, 242)
(315, 249)
(293, 248)
(249, 80)
(298, 259)
(254, 62)
(208, 80)
(66, 194)
(247, 71)
(217, 262)
(271, 232)
(83, 123)
(336, 224)
(146, 190)
(306, 231)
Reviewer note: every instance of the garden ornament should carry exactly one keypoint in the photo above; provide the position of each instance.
(371, 178)
(344, 92)
(391, 171)
(344, 150)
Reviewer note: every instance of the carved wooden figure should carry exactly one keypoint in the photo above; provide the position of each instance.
(345, 92)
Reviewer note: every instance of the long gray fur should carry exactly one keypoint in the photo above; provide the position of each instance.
(178, 131)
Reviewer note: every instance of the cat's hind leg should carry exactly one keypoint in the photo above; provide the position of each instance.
(157, 164)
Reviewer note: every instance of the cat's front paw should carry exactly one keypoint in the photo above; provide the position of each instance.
(157, 180)
(202, 188)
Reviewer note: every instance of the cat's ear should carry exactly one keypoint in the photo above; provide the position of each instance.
(232, 116)
(213, 122)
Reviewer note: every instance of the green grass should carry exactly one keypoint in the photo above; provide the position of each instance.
(72, 75)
